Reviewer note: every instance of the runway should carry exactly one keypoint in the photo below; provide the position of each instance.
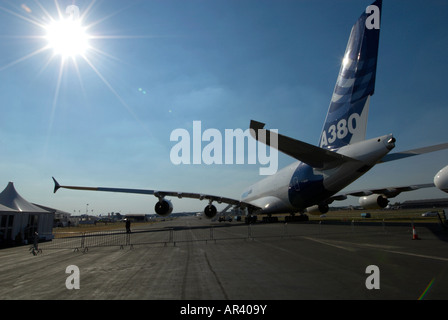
(237, 262)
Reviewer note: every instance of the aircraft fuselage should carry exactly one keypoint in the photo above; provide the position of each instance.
(299, 186)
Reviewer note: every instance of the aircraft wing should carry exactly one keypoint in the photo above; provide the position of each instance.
(414, 152)
(389, 192)
(162, 194)
(312, 155)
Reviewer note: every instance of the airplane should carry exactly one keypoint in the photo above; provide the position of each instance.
(342, 155)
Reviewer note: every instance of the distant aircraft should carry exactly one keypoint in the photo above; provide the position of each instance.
(342, 156)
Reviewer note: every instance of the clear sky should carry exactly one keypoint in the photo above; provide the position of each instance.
(154, 66)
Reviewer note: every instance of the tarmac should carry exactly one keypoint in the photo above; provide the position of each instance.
(191, 259)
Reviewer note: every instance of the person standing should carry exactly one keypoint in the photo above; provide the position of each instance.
(128, 226)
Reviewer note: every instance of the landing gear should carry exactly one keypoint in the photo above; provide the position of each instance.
(293, 217)
(250, 219)
(270, 219)
(302, 217)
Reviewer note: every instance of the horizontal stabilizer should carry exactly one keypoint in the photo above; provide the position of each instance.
(312, 155)
(414, 152)
(389, 192)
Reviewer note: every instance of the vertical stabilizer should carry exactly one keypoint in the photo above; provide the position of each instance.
(346, 120)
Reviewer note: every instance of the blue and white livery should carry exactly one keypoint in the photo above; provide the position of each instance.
(346, 120)
(341, 156)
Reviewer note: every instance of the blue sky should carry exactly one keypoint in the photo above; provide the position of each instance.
(160, 65)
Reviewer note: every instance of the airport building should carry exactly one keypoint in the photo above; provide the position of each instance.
(20, 219)
(425, 204)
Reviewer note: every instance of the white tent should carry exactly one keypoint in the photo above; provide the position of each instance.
(20, 219)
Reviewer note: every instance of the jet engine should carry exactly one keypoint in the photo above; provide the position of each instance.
(373, 201)
(163, 207)
(210, 211)
(441, 179)
(318, 209)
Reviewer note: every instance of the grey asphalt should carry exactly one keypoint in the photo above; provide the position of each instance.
(186, 259)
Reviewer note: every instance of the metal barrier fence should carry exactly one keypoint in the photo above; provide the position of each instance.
(174, 236)
(166, 236)
(85, 240)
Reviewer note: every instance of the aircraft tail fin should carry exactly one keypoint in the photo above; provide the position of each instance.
(346, 120)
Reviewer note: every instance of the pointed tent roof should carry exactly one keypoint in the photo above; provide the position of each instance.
(6, 209)
(11, 199)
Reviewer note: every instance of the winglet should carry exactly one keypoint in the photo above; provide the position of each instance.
(56, 185)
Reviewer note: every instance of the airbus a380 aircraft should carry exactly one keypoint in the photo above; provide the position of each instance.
(343, 154)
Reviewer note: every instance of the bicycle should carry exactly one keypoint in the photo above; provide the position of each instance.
(35, 250)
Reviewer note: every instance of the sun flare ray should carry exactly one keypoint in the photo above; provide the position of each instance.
(26, 57)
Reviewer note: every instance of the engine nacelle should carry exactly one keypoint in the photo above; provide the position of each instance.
(210, 211)
(441, 179)
(374, 201)
(163, 207)
(318, 209)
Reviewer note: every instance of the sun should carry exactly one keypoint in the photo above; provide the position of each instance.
(67, 37)
(70, 36)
